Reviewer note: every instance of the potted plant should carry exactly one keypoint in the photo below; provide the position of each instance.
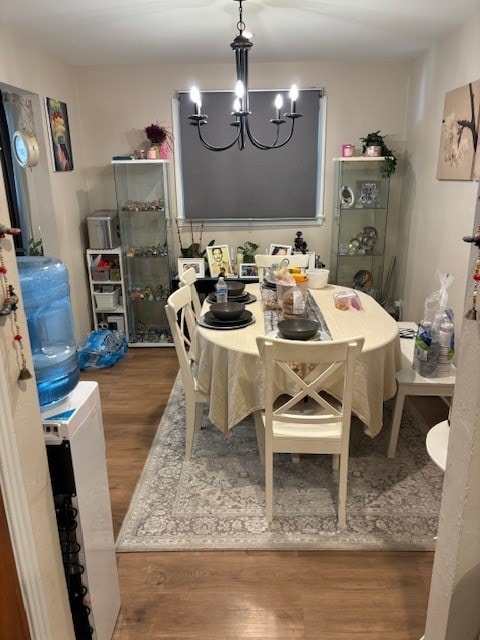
(374, 139)
(160, 138)
(247, 250)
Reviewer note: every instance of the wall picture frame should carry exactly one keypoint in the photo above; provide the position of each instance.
(280, 249)
(248, 270)
(60, 143)
(197, 263)
(219, 262)
(458, 148)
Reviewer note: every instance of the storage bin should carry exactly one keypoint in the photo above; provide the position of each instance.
(108, 300)
(100, 274)
(103, 230)
(115, 274)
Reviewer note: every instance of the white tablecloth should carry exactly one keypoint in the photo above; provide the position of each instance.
(231, 372)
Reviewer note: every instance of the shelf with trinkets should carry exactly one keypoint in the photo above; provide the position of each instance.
(360, 223)
(141, 189)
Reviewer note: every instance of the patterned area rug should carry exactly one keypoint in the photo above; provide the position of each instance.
(216, 500)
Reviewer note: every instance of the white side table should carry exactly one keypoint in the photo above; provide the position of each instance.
(437, 443)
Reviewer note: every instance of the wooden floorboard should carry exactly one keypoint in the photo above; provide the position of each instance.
(254, 595)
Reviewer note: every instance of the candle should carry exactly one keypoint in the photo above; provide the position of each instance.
(278, 104)
(293, 97)
(348, 150)
(196, 99)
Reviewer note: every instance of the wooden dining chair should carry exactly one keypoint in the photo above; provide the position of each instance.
(182, 325)
(310, 421)
(264, 261)
(188, 278)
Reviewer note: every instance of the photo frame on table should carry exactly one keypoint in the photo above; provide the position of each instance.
(197, 263)
(248, 270)
(60, 143)
(280, 249)
(219, 261)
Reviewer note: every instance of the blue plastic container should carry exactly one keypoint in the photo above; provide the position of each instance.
(46, 300)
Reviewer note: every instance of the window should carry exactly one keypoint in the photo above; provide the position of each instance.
(275, 185)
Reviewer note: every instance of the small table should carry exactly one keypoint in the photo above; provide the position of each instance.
(437, 444)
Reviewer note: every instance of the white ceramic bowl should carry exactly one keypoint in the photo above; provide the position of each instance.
(317, 278)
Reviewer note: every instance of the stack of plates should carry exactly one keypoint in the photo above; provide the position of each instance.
(246, 298)
(209, 321)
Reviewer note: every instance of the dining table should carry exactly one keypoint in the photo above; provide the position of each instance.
(230, 370)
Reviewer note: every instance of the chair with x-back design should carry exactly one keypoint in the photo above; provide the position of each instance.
(188, 278)
(310, 420)
(182, 325)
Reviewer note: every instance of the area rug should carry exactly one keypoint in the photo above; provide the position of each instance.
(216, 500)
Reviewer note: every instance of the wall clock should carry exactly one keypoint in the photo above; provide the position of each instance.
(25, 149)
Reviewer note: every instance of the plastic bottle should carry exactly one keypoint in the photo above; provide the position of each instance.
(46, 300)
(222, 290)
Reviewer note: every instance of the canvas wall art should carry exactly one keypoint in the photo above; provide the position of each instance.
(457, 154)
(60, 143)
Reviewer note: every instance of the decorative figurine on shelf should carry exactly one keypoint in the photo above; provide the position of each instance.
(300, 246)
(364, 241)
(363, 281)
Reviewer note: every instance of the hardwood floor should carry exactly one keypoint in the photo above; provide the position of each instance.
(324, 595)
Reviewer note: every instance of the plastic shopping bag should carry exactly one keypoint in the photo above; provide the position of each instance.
(101, 349)
(435, 339)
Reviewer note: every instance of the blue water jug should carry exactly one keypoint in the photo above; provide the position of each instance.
(46, 300)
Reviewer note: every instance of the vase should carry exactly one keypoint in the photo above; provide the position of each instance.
(163, 151)
(373, 151)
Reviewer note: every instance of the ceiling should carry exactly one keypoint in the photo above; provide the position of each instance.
(97, 32)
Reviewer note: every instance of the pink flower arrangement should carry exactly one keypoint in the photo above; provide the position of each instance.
(158, 134)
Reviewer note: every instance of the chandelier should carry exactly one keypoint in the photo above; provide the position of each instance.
(241, 106)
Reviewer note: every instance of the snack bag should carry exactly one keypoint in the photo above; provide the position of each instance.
(345, 300)
(435, 340)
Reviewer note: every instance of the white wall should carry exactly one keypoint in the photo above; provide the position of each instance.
(23, 66)
(436, 214)
(117, 102)
(62, 198)
(24, 433)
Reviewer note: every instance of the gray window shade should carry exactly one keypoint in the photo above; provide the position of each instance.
(233, 184)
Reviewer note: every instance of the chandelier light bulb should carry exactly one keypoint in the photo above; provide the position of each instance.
(196, 99)
(293, 97)
(278, 104)
(236, 105)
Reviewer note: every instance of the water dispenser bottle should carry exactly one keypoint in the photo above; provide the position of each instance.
(46, 300)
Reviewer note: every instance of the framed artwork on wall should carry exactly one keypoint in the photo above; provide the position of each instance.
(59, 129)
(458, 155)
